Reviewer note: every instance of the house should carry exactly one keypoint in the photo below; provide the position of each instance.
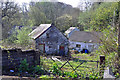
(50, 40)
(70, 31)
(80, 40)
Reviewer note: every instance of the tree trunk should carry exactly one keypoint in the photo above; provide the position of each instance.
(119, 30)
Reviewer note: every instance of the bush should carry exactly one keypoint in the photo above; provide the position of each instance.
(38, 70)
(22, 36)
(24, 66)
(55, 70)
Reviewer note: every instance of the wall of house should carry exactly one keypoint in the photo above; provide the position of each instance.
(52, 44)
(83, 45)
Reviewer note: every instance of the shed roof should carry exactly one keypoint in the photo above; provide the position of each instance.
(39, 30)
(82, 36)
(70, 29)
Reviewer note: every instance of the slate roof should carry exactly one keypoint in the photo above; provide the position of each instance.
(39, 30)
(70, 29)
(82, 36)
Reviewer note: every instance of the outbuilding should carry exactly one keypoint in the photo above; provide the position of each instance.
(50, 40)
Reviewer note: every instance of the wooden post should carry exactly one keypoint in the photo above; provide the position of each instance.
(102, 64)
(37, 58)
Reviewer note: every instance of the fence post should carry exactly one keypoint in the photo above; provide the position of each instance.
(102, 64)
(37, 58)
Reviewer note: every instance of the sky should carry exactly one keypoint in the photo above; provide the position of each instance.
(74, 3)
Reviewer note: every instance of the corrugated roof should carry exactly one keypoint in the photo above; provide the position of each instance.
(70, 29)
(39, 30)
(82, 36)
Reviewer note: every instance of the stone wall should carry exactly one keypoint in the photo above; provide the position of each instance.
(11, 58)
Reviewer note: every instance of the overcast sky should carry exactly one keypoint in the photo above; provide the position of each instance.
(74, 3)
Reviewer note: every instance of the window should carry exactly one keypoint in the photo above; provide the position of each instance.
(78, 45)
(47, 35)
(50, 46)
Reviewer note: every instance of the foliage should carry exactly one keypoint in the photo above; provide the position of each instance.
(11, 38)
(22, 36)
(37, 17)
(103, 16)
(39, 69)
(99, 16)
(64, 22)
(10, 17)
(67, 72)
(113, 61)
(46, 77)
(55, 69)
(84, 19)
(94, 74)
(86, 16)
(59, 13)
(108, 41)
(24, 66)
(104, 19)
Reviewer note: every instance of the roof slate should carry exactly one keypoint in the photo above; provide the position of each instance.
(70, 29)
(82, 36)
(39, 30)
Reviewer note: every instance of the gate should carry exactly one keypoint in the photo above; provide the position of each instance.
(80, 68)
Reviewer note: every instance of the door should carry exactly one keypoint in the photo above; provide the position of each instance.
(62, 50)
(42, 48)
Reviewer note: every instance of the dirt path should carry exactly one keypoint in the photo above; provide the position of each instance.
(15, 78)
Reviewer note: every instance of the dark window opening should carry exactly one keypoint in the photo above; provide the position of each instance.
(50, 46)
(47, 35)
(78, 45)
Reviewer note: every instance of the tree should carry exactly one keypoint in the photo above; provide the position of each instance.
(49, 12)
(64, 22)
(10, 17)
(22, 36)
(86, 16)
(119, 30)
(37, 16)
(103, 16)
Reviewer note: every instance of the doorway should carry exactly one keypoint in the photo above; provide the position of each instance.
(42, 48)
(62, 50)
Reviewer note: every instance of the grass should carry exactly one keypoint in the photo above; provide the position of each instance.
(86, 67)
(84, 56)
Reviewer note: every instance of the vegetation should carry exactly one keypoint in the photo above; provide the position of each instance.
(102, 17)
(87, 69)
(62, 15)
(24, 68)
(22, 36)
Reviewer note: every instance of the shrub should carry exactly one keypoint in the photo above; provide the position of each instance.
(38, 69)
(24, 66)
(55, 70)
(22, 36)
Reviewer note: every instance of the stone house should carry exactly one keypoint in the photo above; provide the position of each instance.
(50, 40)
(80, 40)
